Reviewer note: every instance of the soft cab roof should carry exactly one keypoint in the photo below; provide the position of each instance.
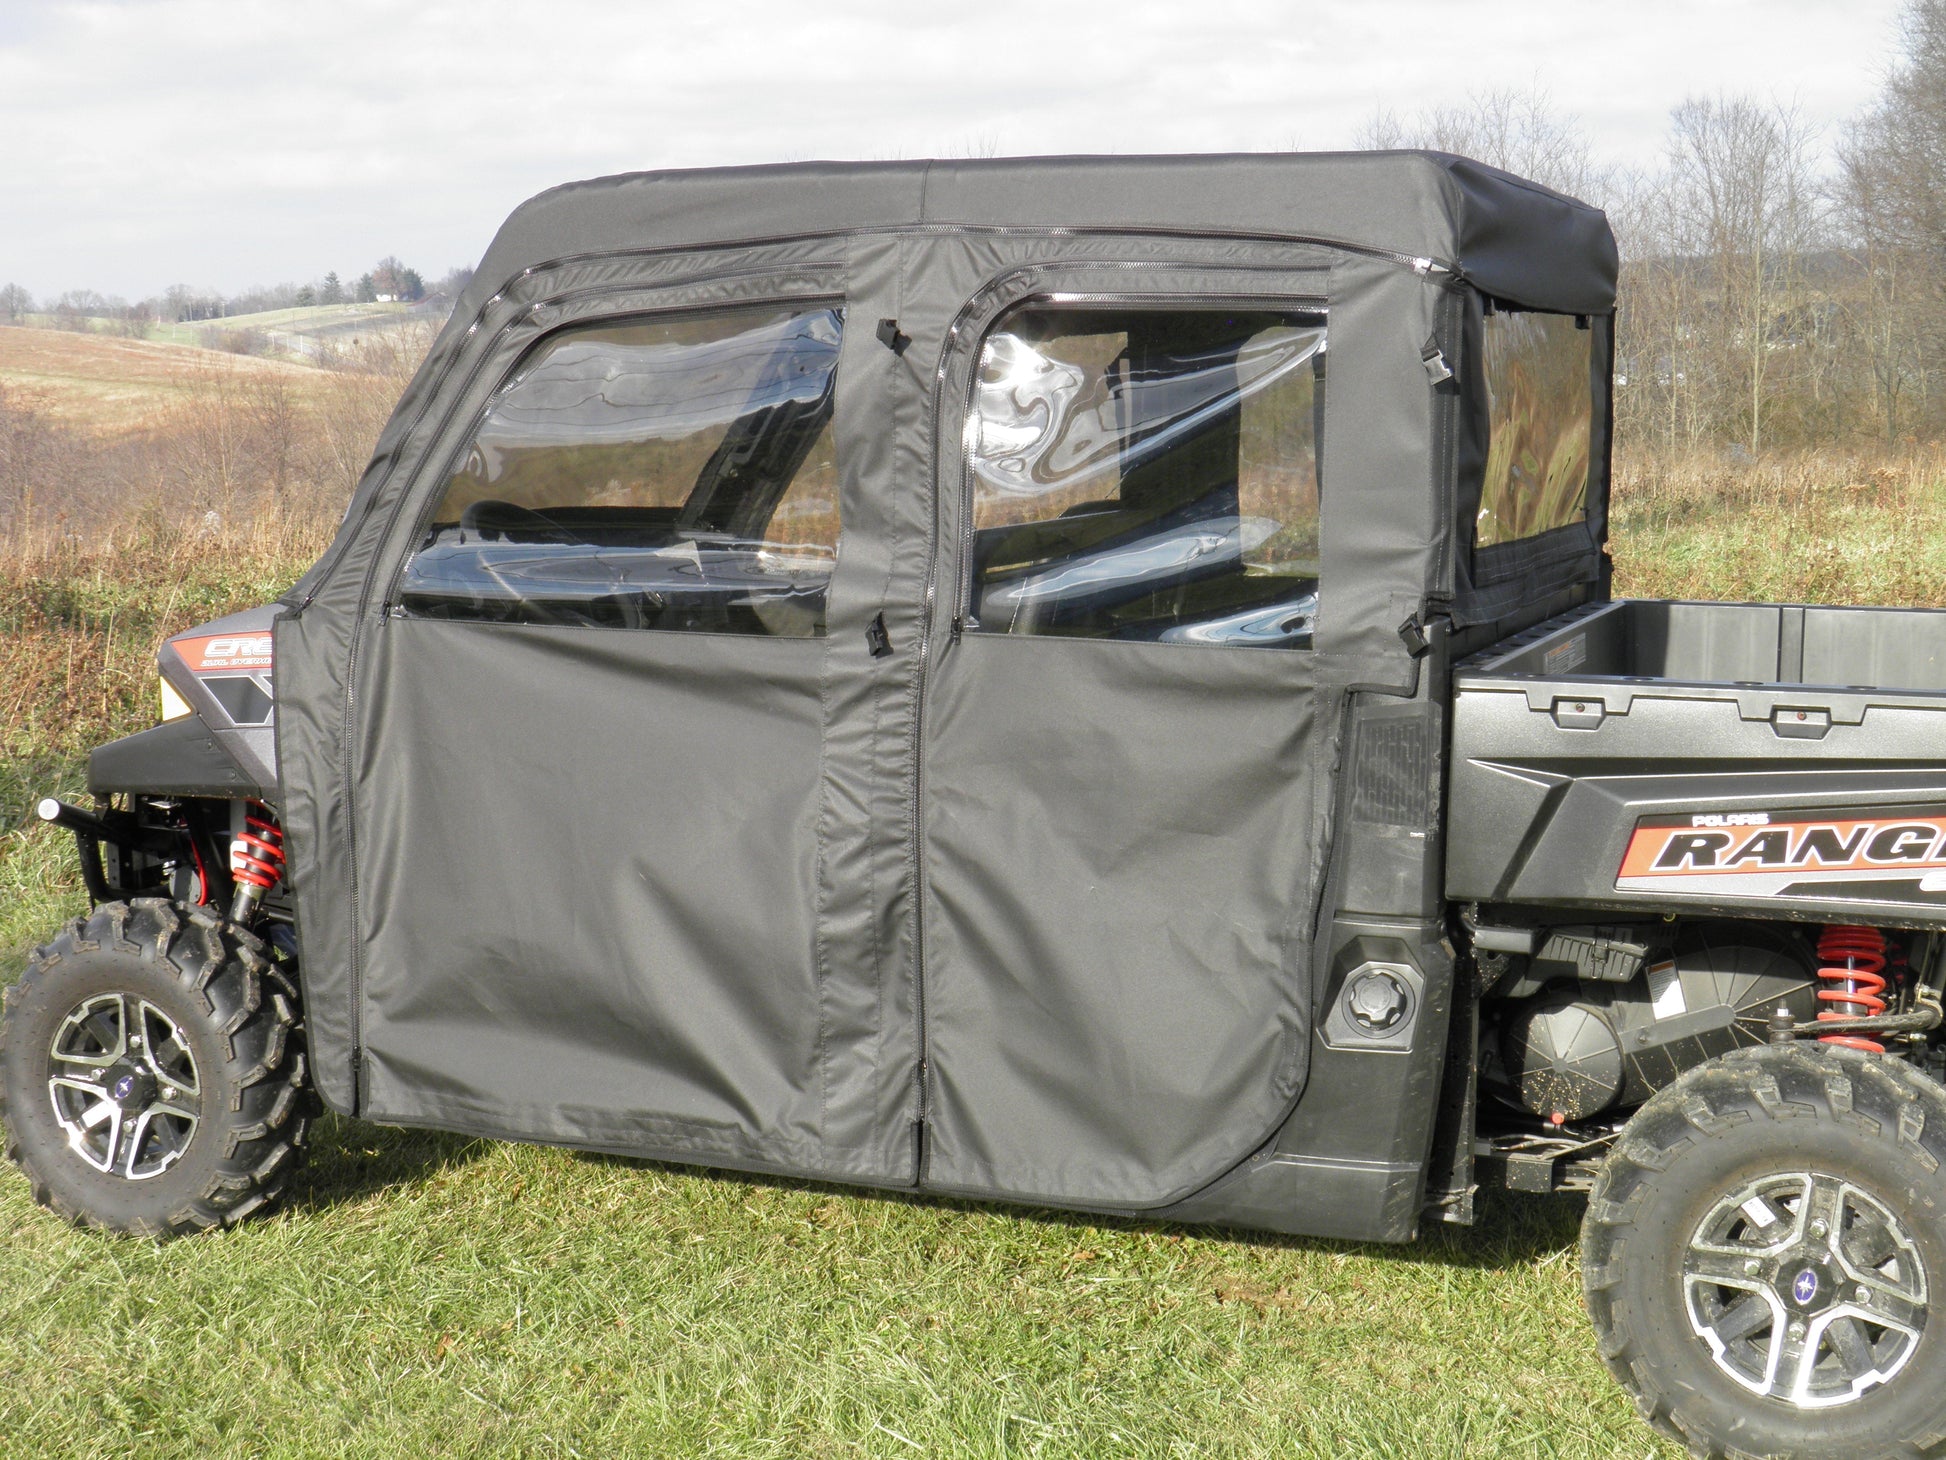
(1510, 238)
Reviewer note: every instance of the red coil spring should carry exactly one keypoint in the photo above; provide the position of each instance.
(257, 852)
(1852, 959)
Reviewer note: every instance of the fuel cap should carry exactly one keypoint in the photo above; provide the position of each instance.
(1377, 1000)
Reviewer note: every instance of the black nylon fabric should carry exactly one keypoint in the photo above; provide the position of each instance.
(741, 900)
(863, 909)
(330, 614)
(1425, 204)
(1120, 844)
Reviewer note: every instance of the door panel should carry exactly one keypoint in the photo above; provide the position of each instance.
(1120, 825)
(594, 754)
(590, 903)
(1119, 840)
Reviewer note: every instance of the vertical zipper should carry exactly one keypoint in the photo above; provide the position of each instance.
(1449, 329)
(915, 827)
(357, 969)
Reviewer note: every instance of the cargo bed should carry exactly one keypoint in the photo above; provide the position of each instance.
(1778, 760)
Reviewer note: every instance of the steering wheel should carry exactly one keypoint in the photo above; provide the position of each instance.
(491, 517)
(495, 520)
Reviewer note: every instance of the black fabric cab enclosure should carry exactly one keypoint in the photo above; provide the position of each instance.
(909, 673)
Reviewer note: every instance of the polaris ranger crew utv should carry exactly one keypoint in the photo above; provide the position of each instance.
(1088, 682)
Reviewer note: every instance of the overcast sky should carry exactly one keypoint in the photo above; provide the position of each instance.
(236, 142)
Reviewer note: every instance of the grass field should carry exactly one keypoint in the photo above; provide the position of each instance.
(302, 319)
(422, 1294)
(112, 385)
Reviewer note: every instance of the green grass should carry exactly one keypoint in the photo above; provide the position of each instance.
(281, 324)
(426, 1294)
(421, 1294)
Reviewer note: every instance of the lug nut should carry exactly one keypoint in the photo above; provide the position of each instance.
(1797, 1330)
(1753, 1267)
(1818, 1229)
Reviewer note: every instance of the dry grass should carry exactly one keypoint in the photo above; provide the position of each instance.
(107, 386)
(117, 438)
(1812, 527)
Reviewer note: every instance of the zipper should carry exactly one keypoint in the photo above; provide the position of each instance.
(1424, 264)
(1445, 406)
(351, 859)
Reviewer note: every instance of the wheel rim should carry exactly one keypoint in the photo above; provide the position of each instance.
(1806, 1289)
(124, 1085)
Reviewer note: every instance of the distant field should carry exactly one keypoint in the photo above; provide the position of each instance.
(101, 383)
(309, 330)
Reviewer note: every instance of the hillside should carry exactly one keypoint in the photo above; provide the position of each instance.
(311, 330)
(107, 385)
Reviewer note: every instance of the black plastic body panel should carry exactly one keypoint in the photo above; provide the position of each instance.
(179, 757)
(1351, 1160)
(216, 692)
(1704, 714)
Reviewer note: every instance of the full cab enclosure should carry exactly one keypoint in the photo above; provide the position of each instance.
(933, 674)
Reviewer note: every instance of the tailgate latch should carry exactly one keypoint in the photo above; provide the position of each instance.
(1578, 714)
(1793, 723)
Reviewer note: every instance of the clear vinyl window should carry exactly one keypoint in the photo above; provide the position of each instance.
(1147, 473)
(1539, 373)
(654, 474)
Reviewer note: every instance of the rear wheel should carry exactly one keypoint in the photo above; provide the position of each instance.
(152, 1073)
(1764, 1254)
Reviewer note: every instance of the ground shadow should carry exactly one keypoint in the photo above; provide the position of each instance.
(1510, 1229)
(350, 1159)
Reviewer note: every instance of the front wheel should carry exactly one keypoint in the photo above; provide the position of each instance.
(1763, 1253)
(152, 1071)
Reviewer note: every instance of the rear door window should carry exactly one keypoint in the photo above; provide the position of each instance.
(652, 474)
(1147, 473)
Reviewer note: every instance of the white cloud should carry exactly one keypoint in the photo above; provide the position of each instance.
(240, 141)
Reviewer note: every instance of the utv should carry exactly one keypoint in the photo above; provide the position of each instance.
(1088, 682)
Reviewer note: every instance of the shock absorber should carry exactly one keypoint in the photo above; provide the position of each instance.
(1852, 961)
(256, 859)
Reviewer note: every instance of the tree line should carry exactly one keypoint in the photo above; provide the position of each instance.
(1779, 288)
(84, 309)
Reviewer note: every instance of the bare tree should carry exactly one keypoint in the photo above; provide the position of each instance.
(1890, 191)
(1521, 132)
(15, 303)
(1745, 204)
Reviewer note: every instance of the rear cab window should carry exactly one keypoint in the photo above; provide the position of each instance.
(1540, 396)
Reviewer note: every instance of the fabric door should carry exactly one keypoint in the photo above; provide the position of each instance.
(589, 787)
(1119, 812)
